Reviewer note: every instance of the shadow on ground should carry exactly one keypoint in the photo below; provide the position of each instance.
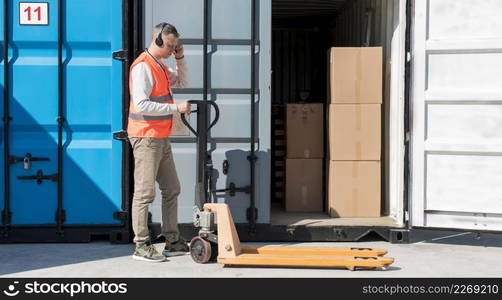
(15, 258)
(456, 238)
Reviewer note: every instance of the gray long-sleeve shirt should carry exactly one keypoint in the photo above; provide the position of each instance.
(142, 83)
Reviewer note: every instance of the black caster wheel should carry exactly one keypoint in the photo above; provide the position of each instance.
(200, 250)
(214, 252)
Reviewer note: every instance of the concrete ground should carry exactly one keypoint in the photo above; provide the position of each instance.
(430, 254)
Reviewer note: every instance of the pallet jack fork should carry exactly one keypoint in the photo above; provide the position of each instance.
(219, 240)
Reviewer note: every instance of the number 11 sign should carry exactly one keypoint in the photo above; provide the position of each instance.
(33, 13)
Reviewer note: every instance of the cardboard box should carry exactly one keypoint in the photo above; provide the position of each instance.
(354, 131)
(354, 189)
(304, 185)
(179, 129)
(304, 130)
(355, 75)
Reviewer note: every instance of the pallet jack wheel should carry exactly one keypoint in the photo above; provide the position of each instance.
(200, 250)
(214, 252)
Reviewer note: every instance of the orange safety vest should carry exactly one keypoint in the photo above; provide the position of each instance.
(145, 125)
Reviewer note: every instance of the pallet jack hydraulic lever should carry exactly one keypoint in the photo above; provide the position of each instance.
(204, 162)
(205, 166)
(220, 242)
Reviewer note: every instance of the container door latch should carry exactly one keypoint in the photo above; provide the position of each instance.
(40, 177)
(27, 160)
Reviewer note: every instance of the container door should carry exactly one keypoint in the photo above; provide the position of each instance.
(457, 115)
(2, 125)
(78, 170)
(229, 84)
(33, 108)
(92, 189)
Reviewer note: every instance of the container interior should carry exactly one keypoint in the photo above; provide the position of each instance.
(302, 33)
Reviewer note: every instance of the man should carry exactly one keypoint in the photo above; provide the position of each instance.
(150, 124)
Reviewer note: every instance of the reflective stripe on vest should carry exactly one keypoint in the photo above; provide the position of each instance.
(162, 99)
(140, 117)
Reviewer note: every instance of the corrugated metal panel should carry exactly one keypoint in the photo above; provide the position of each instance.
(92, 108)
(351, 31)
(93, 158)
(457, 115)
(229, 68)
(298, 65)
(2, 84)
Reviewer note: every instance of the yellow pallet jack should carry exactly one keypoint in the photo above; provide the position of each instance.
(219, 241)
(231, 252)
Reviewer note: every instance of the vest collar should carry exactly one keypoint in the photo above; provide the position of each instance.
(155, 59)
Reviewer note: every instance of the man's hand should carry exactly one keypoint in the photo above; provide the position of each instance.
(179, 52)
(184, 108)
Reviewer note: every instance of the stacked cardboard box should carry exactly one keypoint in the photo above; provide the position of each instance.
(354, 131)
(304, 157)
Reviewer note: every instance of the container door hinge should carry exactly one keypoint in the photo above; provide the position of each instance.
(121, 215)
(120, 55)
(60, 216)
(40, 177)
(226, 166)
(6, 217)
(120, 135)
(252, 158)
(249, 214)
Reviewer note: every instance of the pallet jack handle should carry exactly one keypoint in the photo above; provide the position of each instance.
(201, 104)
(204, 161)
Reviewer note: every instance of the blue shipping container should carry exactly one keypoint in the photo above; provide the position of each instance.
(62, 101)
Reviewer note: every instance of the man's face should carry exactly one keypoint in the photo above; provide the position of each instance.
(170, 43)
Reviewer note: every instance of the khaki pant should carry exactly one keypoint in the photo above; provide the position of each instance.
(153, 161)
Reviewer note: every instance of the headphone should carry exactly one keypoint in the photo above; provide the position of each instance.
(158, 41)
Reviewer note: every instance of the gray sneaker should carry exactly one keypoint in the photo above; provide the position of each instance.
(147, 252)
(180, 247)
